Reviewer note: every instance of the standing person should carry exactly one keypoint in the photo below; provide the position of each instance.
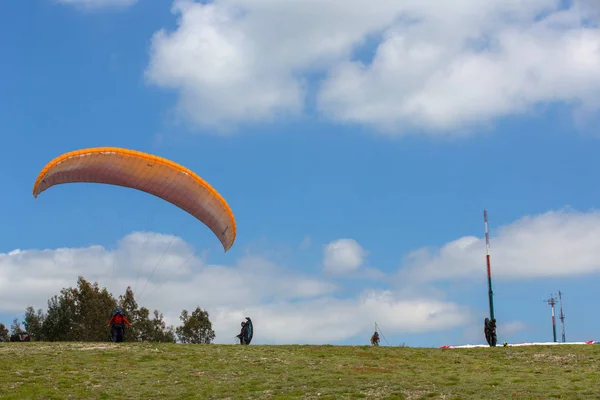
(489, 328)
(375, 339)
(247, 332)
(117, 323)
(242, 332)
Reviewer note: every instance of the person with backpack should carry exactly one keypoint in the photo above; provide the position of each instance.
(247, 332)
(375, 339)
(117, 323)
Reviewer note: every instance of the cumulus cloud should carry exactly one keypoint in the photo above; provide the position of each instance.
(469, 63)
(512, 327)
(324, 319)
(167, 274)
(343, 255)
(97, 4)
(434, 66)
(553, 244)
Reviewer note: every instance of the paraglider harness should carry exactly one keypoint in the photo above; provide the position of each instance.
(247, 332)
(489, 328)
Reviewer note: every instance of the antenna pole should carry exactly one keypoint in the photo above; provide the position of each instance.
(562, 317)
(489, 268)
(552, 302)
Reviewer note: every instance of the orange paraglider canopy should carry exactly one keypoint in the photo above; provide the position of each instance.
(146, 172)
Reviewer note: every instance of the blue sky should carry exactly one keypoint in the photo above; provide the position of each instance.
(311, 140)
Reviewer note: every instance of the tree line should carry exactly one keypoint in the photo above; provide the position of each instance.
(81, 314)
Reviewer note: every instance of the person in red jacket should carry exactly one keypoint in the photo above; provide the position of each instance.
(117, 323)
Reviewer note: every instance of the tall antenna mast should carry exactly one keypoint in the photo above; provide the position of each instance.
(562, 317)
(489, 268)
(552, 302)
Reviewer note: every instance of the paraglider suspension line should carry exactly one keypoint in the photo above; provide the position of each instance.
(156, 266)
(378, 329)
(165, 279)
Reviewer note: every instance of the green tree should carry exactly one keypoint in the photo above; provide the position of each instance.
(4, 336)
(162, 333)
(60, 317)
(93, 307)
(143, 325)
(130, 307)
(155, 329)
(77, 314)
(82, 313)
(196, 329)
(15, 327)
(33, 323)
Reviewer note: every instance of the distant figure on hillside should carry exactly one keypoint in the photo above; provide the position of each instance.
(375, 339)
(21, 337)
(117, 323)
(247, 332)
(489, 328)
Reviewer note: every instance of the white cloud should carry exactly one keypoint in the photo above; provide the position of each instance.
(97, 4)
(343, 255)
(554, 244)
(511, 327)
(218, 70)
(326, 319)
(469, 63)
(166, 274)
(436, 66)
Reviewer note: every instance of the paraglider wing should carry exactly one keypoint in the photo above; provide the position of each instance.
(151, 174)
(249, 330)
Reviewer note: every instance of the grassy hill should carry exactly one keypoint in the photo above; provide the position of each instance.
(169, 371)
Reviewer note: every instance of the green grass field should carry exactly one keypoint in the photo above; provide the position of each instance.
(169, 371)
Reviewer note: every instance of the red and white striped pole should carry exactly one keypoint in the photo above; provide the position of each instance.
(489, 268)
(552, 302)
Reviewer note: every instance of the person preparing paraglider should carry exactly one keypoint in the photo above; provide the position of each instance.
(375, 339)
(489, 329)
(117, 323)
(247, 332)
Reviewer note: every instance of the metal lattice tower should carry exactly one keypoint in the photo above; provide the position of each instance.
(562, 317)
